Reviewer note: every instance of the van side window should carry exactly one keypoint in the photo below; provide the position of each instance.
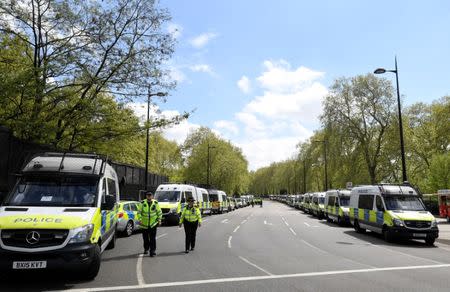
(331, 201)
(188, 195)
(103, 190)
(126, 207)
(205, 197)
(379, 204)
(112, 187)
(134, 207)
(365, 202)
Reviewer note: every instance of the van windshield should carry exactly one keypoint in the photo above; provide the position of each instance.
(321, 200)
(213, 197)
(54, 191)
(405, 203)
(167, 196)
(344, 201)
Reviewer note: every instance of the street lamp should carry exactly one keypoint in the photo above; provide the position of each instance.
(325, 159)
(149, 95)
(400, 123)
(208, 169)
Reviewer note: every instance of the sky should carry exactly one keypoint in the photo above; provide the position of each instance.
(256, 71)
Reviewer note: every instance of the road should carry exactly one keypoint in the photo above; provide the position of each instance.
(274, 248)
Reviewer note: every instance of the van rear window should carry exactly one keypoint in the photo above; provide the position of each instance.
(365, 202)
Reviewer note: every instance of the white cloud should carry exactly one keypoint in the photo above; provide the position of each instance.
(226, 126)
(201, 68)
(175, 30)
(244, 84)
(202, 40)
(278, 119)
(279, 77)
(177, 133)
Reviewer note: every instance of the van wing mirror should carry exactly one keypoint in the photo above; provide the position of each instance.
(110, 202)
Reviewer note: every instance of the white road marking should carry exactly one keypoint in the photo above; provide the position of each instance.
(287, 224)
(314, 247)
(259, 278)
(162, 235)
(252, 264)
(292, 230)
(265, 222)
(407, 254)
(224, 221)
(307, 224)
(237, 228)
(229, 241)
(244, 221)
(139, 275)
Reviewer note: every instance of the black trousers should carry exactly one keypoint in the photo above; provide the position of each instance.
(149, 236)
(190, 228)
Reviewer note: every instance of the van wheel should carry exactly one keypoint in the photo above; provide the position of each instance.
(340, 221)
(112, 243)
(387, 235)
(92, 271)
(358, 228)
(430, 241)
(129, 228)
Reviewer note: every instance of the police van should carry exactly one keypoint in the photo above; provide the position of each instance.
(337, 206)
(172, 199)
(219, 203)
(306, 204)
(317, 207)
(203, 201)
(395, 211)
(62, 213)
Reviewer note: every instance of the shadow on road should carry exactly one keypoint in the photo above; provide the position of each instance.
(377, 239)
(39, 281)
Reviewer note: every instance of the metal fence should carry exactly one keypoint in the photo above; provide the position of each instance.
(14, 153)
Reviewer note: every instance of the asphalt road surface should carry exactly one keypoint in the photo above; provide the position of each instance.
(274, 248)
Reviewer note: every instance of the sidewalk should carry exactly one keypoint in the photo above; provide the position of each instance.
(444, 231)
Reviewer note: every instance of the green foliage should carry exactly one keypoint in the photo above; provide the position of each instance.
(439, 172)
(228, 165)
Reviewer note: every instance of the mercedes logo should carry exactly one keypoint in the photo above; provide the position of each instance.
(33, 237)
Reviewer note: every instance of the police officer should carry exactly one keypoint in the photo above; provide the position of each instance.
(151, 215)
(192, 219)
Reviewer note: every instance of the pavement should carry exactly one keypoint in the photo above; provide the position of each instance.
(444, 231)
(274, 248)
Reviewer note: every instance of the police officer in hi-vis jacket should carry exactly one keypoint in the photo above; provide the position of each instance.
(151, 216)
(192, 218)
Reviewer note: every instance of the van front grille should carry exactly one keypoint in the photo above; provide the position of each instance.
(33, 238)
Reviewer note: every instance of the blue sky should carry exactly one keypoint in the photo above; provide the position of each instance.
(256, 71)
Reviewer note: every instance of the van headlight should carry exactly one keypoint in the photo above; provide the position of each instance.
(434, 223)
(82, 234)
(398, 223)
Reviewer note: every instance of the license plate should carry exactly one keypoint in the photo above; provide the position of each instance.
(29, 265)
(420, 235)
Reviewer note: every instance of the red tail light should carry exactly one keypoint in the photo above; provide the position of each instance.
(120, 215)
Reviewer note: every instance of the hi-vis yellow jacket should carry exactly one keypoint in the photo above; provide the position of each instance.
(191, 215)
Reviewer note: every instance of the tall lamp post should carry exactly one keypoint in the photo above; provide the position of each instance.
(208, 168)
(149, 95)
(325, 160)
(400, 123)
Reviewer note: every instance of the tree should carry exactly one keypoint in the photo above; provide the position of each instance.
(75, 53)
(363, 106)
(439, 172)
(228, 164)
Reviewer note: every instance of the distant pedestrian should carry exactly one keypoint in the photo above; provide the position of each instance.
(151, 215)
(192, 219)
(253, 204)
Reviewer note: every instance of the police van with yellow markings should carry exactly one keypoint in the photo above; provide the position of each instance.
(62, 213)
(128, 217)
(317, 205)
(172, 199)
(337, 206)
(395, 211)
